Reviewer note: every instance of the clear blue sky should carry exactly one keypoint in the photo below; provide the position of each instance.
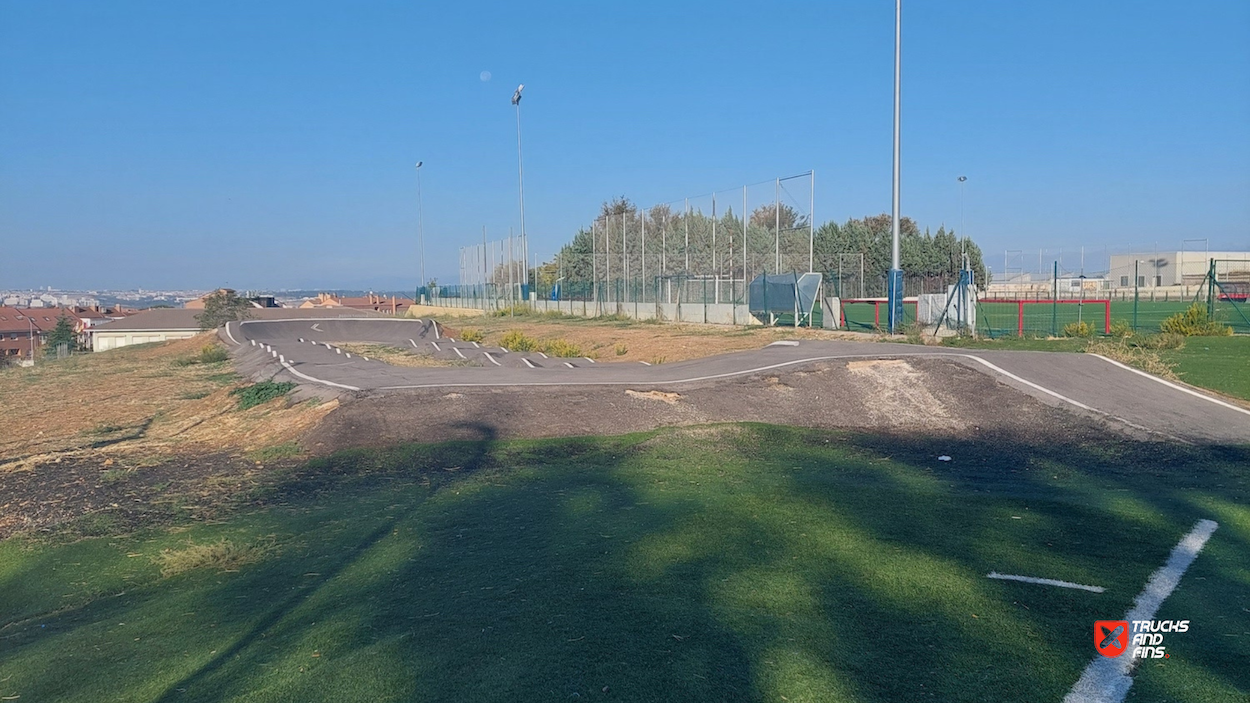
(272, 144)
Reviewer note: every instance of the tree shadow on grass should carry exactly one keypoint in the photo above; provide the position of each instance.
(746, 565)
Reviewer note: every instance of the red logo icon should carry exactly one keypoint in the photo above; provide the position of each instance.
(1111, 637)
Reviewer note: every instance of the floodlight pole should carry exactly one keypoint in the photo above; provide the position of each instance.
(516, 101)
(895, 283)
(420, 234)
(777, 225)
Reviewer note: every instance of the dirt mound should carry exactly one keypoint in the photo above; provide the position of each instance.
(932, 396)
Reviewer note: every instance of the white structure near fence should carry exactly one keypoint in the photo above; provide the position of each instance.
(1166, 269)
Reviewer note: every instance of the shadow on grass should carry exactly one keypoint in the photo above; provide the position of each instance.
(733, 563)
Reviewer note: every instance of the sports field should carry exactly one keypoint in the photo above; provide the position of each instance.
(734, 562)
(1002, 319)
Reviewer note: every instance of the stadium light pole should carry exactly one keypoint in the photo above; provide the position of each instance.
(516, 102)
(895, 282)
(420, 234)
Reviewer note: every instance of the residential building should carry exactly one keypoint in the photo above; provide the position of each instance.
(392, 305)
(164, 324)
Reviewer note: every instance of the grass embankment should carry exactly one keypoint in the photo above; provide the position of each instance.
(1221, 364)
(152, 401)
(728, 563)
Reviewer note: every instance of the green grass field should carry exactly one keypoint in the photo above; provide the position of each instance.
(726, 563)
(1220, 364)
(1002, 319)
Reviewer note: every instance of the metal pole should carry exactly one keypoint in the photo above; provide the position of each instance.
(777, 225)
(516, 100)
(594, 265)
(420, 233)
(895, 293)
(744, 244)
(686, 219)
(642, 287)
(1054, 303)
(811, 227)
(624, 259)
(1136, 269)
(715, 272)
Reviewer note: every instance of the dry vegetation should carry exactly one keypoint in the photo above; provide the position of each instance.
(395, 356)
(609, 340)
(146, 403)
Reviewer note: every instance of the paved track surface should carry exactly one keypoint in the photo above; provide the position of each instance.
(1088, 384)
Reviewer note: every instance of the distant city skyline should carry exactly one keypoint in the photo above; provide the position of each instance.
(195, 146)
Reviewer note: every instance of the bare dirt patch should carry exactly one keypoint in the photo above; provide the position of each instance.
(670, 398)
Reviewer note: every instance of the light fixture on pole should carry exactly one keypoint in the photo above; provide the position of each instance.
(516, 101)
(894, 287)
(420, 234)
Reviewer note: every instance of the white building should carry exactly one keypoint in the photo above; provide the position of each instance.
(1164, 269)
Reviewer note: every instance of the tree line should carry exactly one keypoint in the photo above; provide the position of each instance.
(700, 244)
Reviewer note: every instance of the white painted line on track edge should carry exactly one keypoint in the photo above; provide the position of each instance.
(1044, 582)
(458, 352)
(1108, 679)
(1169, 384)
(306, 377)
(230, 335)
(528, 363)
(492, 359)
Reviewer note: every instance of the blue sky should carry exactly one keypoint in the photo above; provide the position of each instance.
(265, 145)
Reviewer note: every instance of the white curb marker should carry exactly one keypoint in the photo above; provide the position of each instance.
(645, 363)
(569, 365)
(458, 352)
(1044, 582)
(528, 363)
(436, 347)
(1108, 679)
(589, 359)
(492, 359)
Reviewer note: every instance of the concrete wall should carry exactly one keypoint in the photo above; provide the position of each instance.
(716, 314)
(103, 341)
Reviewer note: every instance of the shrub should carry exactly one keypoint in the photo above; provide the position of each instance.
(260, 393)
(1078, 329)
(469, 334)
(209, 354)
(1161, 341)
(1195, 322)
(621, 350)
(562, 348)
(515, 340)
(1121, 329)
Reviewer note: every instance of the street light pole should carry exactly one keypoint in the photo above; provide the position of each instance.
(516, 101)
(420, 234)
(895, 282)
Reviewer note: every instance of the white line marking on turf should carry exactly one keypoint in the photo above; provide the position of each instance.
(318, 380)
(1044, 582)
(528, 363)
(492, 359)
(458, 352)
(1180, 388)
(1108, 679)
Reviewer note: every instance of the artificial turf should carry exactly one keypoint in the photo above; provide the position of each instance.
(741, 562)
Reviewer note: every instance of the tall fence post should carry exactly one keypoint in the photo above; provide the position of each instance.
(1054, 303)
